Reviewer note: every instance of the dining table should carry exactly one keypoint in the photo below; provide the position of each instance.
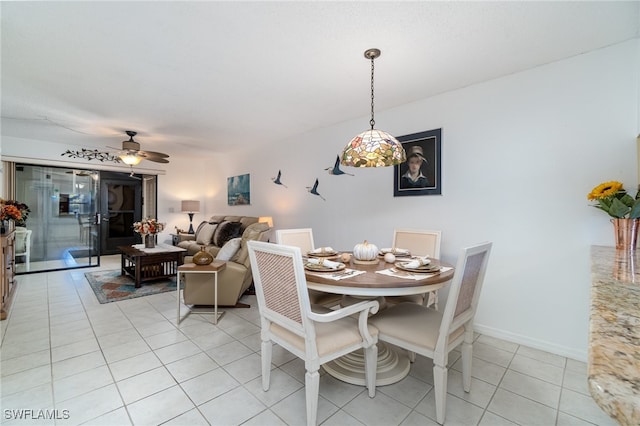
(375, 280)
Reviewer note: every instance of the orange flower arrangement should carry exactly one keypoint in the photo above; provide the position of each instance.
(10, 212)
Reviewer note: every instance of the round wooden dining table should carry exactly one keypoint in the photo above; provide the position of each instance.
(393, 364)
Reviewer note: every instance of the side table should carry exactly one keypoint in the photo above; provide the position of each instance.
(191, 268)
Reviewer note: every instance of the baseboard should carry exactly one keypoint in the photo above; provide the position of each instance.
(532, 343)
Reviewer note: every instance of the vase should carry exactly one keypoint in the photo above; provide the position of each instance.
(203, 257)
(149, 241)
(626, 233)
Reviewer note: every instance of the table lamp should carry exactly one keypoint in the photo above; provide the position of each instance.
(266, 219)
(190, 207)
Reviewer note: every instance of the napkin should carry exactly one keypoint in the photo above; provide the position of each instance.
(324, 262)
(417, 262)
(394, 250)
(321, 250)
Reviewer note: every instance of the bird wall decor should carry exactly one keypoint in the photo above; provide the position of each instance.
(314, 190)
(335, 170)
(277, 181)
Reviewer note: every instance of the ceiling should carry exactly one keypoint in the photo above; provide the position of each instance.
(225, 75)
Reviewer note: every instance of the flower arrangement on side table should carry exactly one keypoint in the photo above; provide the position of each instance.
(148, 228)
(14, 210)
(612, 198)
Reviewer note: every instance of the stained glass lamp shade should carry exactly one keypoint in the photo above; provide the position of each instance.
(373, 148)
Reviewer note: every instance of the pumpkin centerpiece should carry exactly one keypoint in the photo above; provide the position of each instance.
(365, 253)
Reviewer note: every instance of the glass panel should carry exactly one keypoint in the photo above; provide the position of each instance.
(63, 204)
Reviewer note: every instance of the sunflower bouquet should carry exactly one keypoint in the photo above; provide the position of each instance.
(612, 198)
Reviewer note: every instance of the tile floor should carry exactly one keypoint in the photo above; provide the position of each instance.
(127, 363)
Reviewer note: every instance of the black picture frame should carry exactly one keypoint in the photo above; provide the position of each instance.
(430, 143)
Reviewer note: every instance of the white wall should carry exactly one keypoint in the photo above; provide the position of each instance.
(520, 154)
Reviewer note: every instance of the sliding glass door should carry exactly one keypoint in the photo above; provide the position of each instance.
(62, 221)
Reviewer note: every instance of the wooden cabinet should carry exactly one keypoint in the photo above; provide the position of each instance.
(7, 263)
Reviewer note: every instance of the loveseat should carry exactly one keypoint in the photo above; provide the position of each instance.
(236, 278)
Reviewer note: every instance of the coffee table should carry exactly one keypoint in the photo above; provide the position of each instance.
(147, 264)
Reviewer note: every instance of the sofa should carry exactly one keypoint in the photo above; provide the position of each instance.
(236, 277)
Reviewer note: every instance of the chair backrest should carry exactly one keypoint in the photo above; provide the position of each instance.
(464, 290)
(281, 288)
(418, 242)
(301, 238)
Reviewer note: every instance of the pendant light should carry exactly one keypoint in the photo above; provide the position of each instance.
(373, 148)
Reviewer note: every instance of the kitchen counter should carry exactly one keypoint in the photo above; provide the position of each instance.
(614, 333)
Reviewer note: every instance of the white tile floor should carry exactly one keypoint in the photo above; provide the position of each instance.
(127, 363)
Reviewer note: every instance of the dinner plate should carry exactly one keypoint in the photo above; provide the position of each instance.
(430, 268)
(323, 254)
(321, 268)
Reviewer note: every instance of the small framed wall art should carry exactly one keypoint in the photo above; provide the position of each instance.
(421, 174)
(238, 190)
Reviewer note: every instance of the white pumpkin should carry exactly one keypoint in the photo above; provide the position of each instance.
(365, 251)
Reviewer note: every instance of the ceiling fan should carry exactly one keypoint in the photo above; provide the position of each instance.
(130, 154)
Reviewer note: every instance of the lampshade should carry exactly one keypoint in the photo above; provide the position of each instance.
(190, 206)
(131, 159)
(373, 148)
(266, 219)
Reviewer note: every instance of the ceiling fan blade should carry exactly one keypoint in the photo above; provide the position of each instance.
(153, 154)
(157, 160)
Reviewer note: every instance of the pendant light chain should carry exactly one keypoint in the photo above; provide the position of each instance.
(372, 121)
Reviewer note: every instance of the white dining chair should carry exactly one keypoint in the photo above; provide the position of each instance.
(434, 334)
(314, 336)
(303, 239)
(23, 245)
(419, 242)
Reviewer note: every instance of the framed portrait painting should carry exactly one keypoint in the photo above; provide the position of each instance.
(238, 190)
(421, 174)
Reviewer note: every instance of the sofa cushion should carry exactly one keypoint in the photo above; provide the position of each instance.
(226, 231)
(229, 249)
(204, 236)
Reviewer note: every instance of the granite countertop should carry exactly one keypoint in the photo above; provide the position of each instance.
(614, 333)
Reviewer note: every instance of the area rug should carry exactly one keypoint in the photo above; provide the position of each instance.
(110, 286)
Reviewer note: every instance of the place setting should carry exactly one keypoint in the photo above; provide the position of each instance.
(324, 253)
(415, 268)
(330, 269)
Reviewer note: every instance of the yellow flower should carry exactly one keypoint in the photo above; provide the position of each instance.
(605, 190)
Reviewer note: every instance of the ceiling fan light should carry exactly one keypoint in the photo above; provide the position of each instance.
(131, 159)
(373, 148)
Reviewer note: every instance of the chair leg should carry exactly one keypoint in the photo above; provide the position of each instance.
(440, 391)
(312, 390)
(267, 348)
(467, 356)
(370, 367)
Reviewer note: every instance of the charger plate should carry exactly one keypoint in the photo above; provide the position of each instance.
(321, 268)
(430, 268)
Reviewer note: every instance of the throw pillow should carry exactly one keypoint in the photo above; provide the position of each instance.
(226, 231)
(203, 223)
(205, 233)
(229, 249)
